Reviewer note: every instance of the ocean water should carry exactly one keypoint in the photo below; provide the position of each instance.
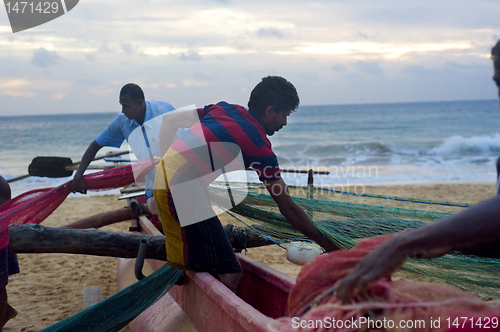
(400, 142)
(26, 137)
(359, 144)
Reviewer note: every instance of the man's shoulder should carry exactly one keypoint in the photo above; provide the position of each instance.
(226, 104)
(160, 107)
(120, 119)
(222, 105)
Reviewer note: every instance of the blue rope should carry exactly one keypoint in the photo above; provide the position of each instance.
(395, 198)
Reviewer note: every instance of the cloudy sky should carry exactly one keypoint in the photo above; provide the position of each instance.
(201, 52)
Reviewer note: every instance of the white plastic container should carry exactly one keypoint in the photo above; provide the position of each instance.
(300, 252)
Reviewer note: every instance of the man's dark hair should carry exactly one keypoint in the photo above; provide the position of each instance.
(273, 91)
(495, 51)
(133, 91)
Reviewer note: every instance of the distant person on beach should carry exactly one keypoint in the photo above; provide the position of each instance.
(136, 113)
(474, 231)
(8, 266)
(219, 135)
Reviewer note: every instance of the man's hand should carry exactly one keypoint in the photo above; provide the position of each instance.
(78, 185)
(329, 246)
(378, 264)
(295, 215)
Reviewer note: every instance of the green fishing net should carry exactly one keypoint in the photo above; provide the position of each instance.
(117, 311)
(345, 224)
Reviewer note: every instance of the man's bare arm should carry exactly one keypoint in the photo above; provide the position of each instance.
(78, 185)
(295, 215)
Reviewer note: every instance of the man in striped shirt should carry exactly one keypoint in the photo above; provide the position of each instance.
(222, 138)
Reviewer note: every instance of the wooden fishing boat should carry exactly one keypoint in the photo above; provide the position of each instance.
(203, 303)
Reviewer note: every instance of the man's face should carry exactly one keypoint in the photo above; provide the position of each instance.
(274, 120)
(496, 75)
(131, 109)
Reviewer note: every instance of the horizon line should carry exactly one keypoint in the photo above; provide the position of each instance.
(309, 105)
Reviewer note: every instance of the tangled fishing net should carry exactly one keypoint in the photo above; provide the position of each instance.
(346, 224)
(34, 206)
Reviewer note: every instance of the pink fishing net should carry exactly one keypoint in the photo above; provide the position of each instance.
(34, 206)
(410, 302)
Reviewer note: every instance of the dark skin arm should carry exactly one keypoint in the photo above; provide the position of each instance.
(488, 249)
(295, 215)
(78, 185)
(478, 224)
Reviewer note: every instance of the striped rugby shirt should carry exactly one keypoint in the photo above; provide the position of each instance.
(227, 123)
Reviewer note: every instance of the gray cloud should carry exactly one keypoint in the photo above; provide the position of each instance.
(418, 70)
(399, 14)
(455, 65)
(43, 58)
(363, 35)
(338, 67)
(128, 48)
(371, 68)
(457, 13)
(190, 56)
(89, 82)
(269, 33)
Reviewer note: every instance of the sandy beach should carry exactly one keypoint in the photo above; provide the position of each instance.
(50, 286)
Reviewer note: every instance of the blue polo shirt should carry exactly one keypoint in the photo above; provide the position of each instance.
(121, 127)
(143, 140)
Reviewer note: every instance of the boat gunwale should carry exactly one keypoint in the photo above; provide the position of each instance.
(244, 314)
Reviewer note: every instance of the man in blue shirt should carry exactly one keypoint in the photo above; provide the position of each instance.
(138, 124)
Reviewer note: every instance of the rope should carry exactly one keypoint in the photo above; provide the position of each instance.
(395, 198)
(251, 185)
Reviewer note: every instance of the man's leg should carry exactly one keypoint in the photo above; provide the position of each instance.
(6, 311)
(231, 280)
(199, 243)
(3, 306)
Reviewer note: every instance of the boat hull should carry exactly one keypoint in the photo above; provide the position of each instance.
(210, 306)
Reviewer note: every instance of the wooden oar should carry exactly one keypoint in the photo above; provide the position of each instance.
(52, 167)
(104, 218)
(57, 167)
(18, 178)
